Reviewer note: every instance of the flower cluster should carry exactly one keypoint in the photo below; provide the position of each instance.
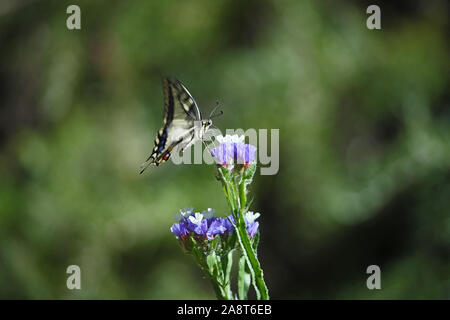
(232, 150)
(211, 240)
(205, 226)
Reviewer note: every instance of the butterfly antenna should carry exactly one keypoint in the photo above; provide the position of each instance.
(212, 115)
(216, 115)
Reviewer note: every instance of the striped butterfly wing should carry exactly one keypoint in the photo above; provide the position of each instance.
(180, 113)
(179, 103)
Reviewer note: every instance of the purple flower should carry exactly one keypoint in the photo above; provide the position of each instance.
(216, 227)
(244, 153)
(250, 224)
(252, 228)
(223, 154)
(180, 229)
(209, 228)
(232, 150)
(228, 225)
(201, 228)
(205, 227)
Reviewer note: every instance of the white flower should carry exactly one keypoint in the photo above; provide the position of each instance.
(184, 213)
(230, 138)
(251, 217)
(197, 219)
(208, 214)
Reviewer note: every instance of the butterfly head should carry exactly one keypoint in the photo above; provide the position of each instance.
(206, 123)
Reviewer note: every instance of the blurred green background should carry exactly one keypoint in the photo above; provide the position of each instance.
(364, 119)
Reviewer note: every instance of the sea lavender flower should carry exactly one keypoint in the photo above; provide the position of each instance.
(232, 150)
(184, 213)
(180, 229)
(196, 219)
(252, 228)
(199, 228)
(208, 240)
(202, 224)
(250, 223)
(216, 228)
(209, 227)
(212, 240)
(229, 225)
(250, 217)
(230, 138)
(209, 213)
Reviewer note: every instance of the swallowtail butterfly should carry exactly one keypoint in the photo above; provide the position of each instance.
(183, 123)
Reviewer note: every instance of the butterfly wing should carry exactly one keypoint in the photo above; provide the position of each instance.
(180, 113)
(184, 104)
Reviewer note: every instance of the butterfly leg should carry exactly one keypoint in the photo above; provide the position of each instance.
(186, 145)
(166, 154)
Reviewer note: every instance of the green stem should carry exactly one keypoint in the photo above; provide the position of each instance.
(244, 241)
(255, 267)
(236, 194)
(222, 292)
(251, 254)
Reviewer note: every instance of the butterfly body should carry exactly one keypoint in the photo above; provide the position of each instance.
(183, 123)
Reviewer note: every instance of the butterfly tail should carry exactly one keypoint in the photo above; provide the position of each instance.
(149, 161)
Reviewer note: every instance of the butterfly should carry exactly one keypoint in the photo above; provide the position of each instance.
(183, 123)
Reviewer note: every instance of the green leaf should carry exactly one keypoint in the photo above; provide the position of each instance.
(211, 262)
(249, 203)
(249, 173)
(244, 279)
(256, 242)
(227, 263)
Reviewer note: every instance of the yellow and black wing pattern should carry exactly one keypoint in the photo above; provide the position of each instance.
(180, 113)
